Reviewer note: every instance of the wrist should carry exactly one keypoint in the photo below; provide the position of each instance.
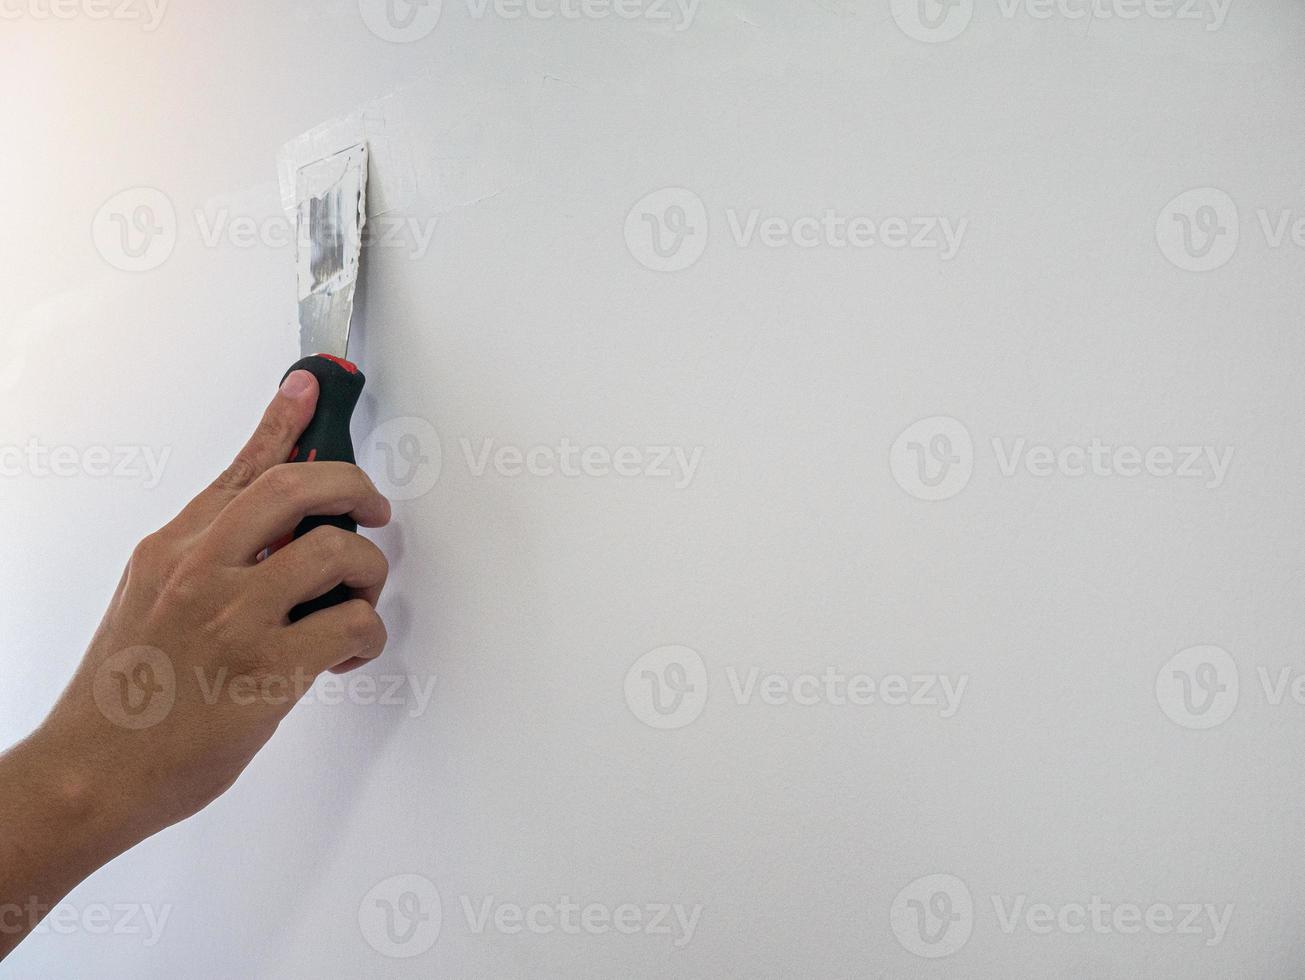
(73, 797)
(55, 832)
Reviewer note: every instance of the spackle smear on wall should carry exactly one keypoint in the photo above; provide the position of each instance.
(438, 143)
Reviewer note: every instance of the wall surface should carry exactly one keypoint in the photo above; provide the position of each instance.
(847, 467)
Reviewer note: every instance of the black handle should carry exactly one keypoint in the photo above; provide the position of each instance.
(327, 438)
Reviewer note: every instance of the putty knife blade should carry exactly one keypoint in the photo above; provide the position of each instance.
(331, 196)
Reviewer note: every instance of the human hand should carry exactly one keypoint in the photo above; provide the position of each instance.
(196, 661)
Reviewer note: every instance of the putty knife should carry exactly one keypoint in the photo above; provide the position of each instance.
(331, 204)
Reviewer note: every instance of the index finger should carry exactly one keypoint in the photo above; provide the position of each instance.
(281, 498)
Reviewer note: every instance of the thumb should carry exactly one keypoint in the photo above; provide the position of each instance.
(284, 420)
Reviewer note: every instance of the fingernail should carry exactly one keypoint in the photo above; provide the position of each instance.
(296, 384)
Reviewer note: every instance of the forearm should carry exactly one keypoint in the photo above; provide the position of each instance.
(57, 826)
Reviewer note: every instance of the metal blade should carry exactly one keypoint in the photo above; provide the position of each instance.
(331, 197)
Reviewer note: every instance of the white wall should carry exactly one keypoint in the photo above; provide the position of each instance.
(526, 599)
